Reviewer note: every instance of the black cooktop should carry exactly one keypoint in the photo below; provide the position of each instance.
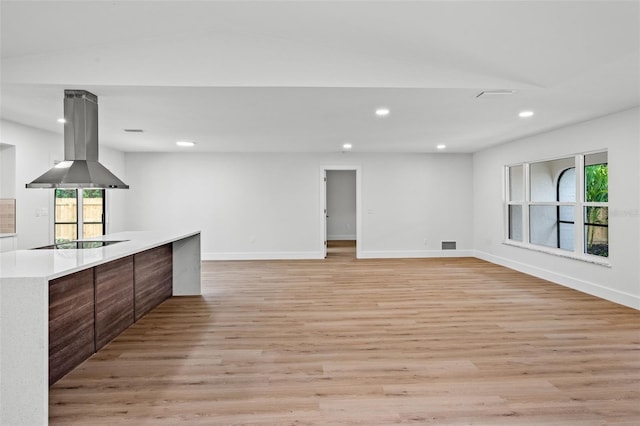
(78, 245)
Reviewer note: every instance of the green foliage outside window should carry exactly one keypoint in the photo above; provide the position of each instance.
(65, 193)
(597, 191)
(86, 193)
(92, 193)
(597, 183)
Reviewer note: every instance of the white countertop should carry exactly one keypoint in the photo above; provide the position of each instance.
(8, 235)
(49, 264)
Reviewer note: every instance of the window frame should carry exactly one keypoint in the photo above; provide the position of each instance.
(586, 204)
(55, 215)
(579, 251)
(79, 223)
(558, 220)
(103, 222)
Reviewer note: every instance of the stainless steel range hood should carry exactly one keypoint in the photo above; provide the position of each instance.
(80, 168)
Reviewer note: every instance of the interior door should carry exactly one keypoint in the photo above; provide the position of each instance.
(324, 211)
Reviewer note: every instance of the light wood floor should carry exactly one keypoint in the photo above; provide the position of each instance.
(367, 342)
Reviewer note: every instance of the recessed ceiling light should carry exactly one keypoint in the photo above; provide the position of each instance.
(525, 114)
(185, 143)
(441, 146)
(62, 120)
(347, 146)
(382, 112)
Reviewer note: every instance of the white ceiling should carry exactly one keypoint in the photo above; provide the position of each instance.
(306, 76)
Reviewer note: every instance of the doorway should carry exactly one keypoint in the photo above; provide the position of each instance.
(79, 214)
(341, 222)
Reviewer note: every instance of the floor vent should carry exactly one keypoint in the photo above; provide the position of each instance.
(448, 245)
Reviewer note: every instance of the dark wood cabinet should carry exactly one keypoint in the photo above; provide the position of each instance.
(153, 278)
(114, 299)
(90, 308)
(71, 322)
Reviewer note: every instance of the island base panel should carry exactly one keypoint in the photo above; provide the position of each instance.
(153, 278)
(71, 322)
(114, 299)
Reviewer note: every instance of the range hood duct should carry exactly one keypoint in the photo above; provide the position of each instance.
(80, 168)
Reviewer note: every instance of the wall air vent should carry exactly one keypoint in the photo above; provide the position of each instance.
(448, 245)
(494, 93)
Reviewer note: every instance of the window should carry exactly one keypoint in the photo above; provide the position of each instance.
(566, 223)
(552, 208)
(596, 210)
(516, 202)
(79, 214)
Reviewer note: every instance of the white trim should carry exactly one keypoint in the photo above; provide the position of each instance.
(357, 169)
(408, 254)
(52, 216)
(596, 260)
(579, 240)
(323, 214)
(306, 255)
(526, 227)
(591, 288)
(263, 255)
(562, 156)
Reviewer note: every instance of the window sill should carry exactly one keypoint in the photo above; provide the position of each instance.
(561, 253)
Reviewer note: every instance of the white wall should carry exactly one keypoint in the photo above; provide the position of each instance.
(114, 160)
(620, 135)
(414, 202)
(262, 206)
(341, 204)
(269, 205)
(7, 170)
(35, 152)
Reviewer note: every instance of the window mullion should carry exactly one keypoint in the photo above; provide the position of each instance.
(507, 202)
(104, 212)
(80, 216)
(578, 214)
(525, 204)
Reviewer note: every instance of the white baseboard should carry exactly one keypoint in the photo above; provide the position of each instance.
(342, 237)
(593, 289)
(388, 254)
(276, 255)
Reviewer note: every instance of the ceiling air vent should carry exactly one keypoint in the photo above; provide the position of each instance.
(448, 245)
(133, 130)
(494, 93)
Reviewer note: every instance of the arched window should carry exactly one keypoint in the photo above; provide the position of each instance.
(566, 192)
(560, 206)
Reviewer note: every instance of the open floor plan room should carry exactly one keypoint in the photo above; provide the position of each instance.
(345, 341)
(269, 212)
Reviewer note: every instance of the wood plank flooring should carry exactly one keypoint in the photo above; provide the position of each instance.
(365, 342)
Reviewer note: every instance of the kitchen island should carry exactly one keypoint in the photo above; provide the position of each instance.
(33, 281)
